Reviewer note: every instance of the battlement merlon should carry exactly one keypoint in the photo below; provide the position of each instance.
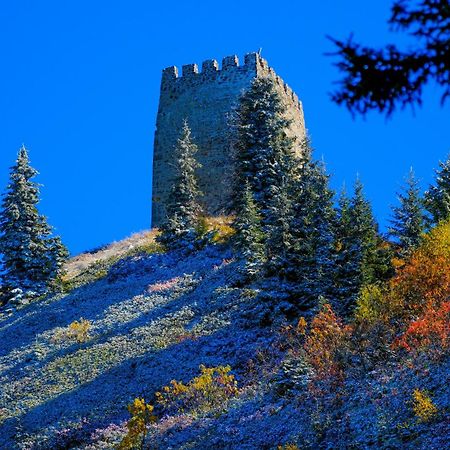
(210, 66)
(189, 70)
(229, 62)
(169, 74)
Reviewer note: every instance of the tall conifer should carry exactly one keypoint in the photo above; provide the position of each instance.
(263, 150)
(265, 159)
(348, 258)
(31, 255)
(365, 229)
(363, 257)
(311, 254)
(277, 228)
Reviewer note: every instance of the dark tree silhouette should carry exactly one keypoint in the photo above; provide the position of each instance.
(387, 78)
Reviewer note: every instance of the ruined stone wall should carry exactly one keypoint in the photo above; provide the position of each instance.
(206, 99)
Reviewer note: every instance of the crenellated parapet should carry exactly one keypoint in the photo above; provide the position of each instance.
(230, 69)
(210, 68)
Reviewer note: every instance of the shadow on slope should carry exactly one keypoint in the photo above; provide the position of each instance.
(31, 321)
(149, 330)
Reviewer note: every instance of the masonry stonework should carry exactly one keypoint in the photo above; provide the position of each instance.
(207, 99)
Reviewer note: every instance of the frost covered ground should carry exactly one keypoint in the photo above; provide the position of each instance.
(157, 317)
(154, 318)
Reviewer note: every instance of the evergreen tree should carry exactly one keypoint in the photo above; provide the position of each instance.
(277, 228)
(363, 257)
(388, 77)
(249, 239)
(348, 258)
(183, 209)
(311, 255)
(375, 264)
(408, 221)
(265, 158)
(31, 256)
(263, 151)
(437, 198)
(58, 253)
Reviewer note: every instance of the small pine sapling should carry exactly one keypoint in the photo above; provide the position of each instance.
(408, 219)
(249, 237)
(180, 229)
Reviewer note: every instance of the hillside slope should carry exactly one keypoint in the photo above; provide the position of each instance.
(158, 317)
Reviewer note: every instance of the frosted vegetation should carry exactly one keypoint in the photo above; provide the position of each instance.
(291, 323)
(157, 317)
(147, 320)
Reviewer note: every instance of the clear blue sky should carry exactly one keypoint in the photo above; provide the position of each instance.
(79, 85)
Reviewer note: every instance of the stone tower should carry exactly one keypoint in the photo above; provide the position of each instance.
(206, 99)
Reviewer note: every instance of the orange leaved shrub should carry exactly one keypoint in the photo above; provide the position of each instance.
(325, 344)
(430, 332)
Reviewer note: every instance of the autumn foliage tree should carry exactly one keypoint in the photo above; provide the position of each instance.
(415, 303)
(141, 418)
(422, 288)
(430, 332)
(424, 281)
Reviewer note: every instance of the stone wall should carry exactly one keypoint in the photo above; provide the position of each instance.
(206, 99)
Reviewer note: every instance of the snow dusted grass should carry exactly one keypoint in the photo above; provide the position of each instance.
(152, 318)
(89, 266)
(115, 250)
